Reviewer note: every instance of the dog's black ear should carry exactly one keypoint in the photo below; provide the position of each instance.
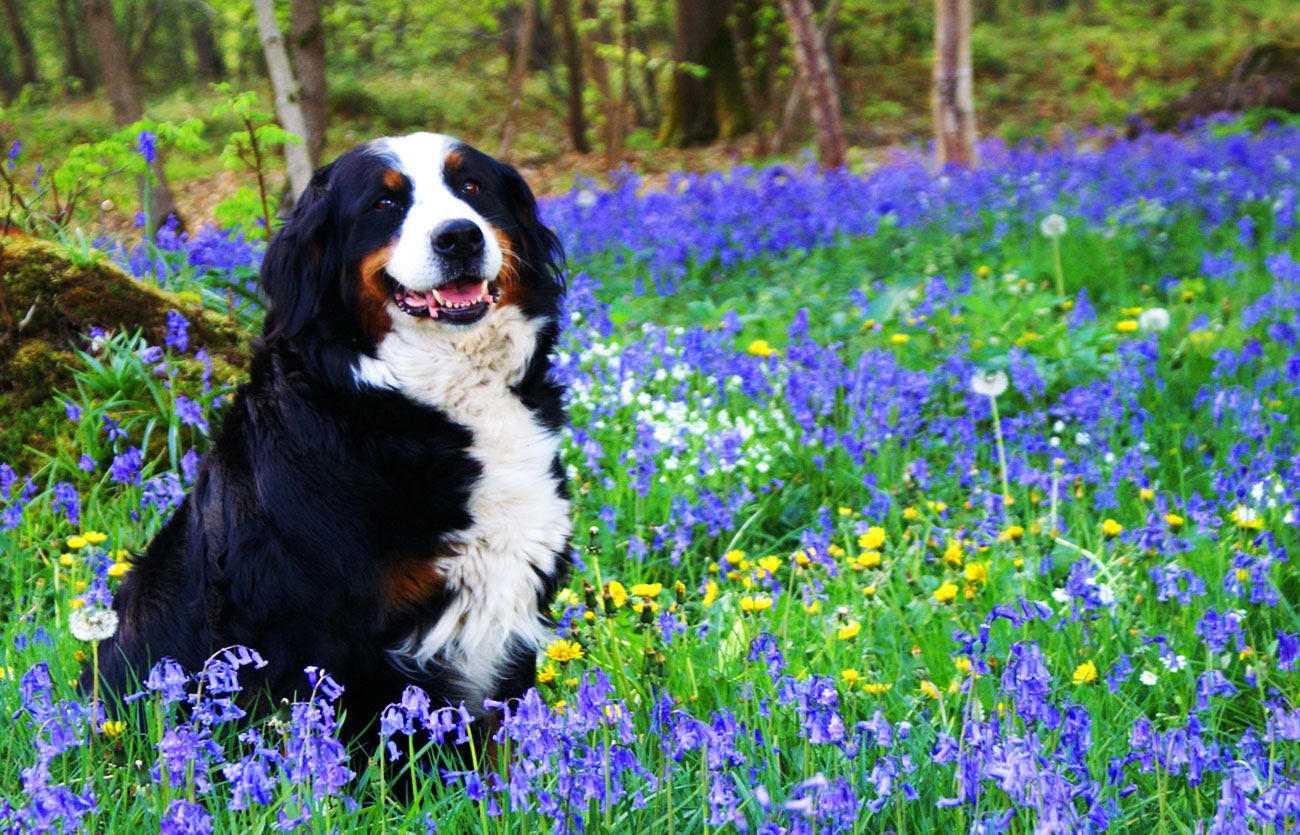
(300, 262)
(543, 249)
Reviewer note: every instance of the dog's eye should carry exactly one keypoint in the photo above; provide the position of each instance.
(383, 204)
(469, 187)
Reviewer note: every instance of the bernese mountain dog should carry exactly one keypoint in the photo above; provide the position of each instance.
(384, 499)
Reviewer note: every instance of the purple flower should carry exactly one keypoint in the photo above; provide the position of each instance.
(145, 144)
(68, 502)
(191, 413)
(125, 468)
(177, 331)
(185, 818)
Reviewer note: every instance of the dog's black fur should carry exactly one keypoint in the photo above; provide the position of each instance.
(320, 497)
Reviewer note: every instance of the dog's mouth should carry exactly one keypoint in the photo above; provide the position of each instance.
(460, 301)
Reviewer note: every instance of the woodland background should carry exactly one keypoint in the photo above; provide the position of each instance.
(612, 83)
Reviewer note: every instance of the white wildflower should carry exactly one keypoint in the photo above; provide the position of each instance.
(1053, 226)
(989, 383)
(92, 624)
(1148, 678)
(585, 199)
(1154, 319)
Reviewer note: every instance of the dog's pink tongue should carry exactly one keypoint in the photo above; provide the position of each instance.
(461, 293)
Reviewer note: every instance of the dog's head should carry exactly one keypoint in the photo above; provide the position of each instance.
(420, 226)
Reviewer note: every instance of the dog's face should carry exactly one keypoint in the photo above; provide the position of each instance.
(418, 230)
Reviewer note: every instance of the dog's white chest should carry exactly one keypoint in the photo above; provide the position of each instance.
(519, 523)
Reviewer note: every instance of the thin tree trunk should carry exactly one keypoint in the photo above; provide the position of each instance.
(26, 55)
(307, 36)
(747, 80)
(297, 160)
(124, 94)
(954, 93)
(573, 65)
(599, 70)
(523, 46)
(814, 67)
(210, 62)
(619, 130)
(73, 64)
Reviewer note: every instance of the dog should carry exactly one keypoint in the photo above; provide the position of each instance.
(384, 499)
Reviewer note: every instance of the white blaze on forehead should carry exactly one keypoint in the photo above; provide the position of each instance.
(422, 158)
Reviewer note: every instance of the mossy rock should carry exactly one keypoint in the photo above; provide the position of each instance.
(50, 304)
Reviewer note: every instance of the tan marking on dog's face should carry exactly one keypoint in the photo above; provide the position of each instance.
(394, 179)
(373, 293)
(509, 280)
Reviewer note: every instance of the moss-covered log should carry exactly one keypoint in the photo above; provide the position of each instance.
(49, 305)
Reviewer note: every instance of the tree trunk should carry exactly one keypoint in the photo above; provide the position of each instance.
(815, 70)
(26, 55)
(954, 95)
(577, 120)
(297, 160)
(307, 36)
(124, 94)
(700, 109)
(9, 83)
(74, 66)
(211, 64)
(519, 73)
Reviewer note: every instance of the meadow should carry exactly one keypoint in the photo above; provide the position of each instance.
(907, 502)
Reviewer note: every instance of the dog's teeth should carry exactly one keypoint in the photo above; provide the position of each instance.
(438, 296)
(483, 289)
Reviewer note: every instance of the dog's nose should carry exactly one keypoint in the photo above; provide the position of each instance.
(458, 239)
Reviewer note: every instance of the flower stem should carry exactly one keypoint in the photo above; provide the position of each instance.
(1002, 456)
(1060, 274)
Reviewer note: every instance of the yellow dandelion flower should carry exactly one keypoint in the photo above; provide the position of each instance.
(845, 511)
(94, 537)
(962, 663)
(850, 677)
(876, 688)
(770, 564)
(813, 607)
(112, 728)
(1014, 533)
(588, 615)
(849, 632)
(952, 554)
(899, 338)
(868, 559)
(1242, 576)
(946, 592)
(977, 572)
(760, 348)
(1146, 494)
(617, 593)
(734, 557)
(835, 550)
(868, 590)
(640, 605)
(929, 689)
(802, 559)
(67, 560)
(547, 674)
(872, 540)
(1085, 673)
(710, 594)
(568, 597)
(757, 603)
(647, 589)
(119, 569)
(1174, 521)
(564, 651)
(558, 707)
(1111, 528)
(77, 542)
(679, 588)
(983, 271)
(1126, 325)
(911, 514)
